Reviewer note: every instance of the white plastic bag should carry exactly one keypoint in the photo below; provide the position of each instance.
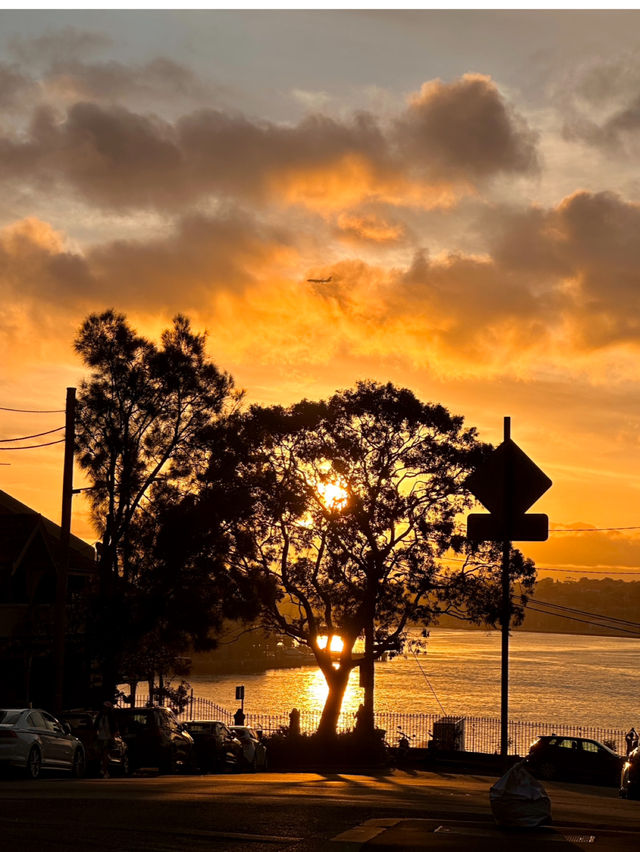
(518, 799)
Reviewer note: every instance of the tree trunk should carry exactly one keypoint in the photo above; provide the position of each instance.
(337, 680)
(367, 671)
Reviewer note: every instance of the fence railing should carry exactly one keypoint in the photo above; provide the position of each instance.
(460, 733)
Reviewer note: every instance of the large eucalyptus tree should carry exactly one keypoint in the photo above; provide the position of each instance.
(349, 521)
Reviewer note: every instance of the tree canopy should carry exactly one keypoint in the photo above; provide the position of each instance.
(141, 437)
(348, 514)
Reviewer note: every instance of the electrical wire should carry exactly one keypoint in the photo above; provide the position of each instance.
(32, 446)
(34, 410)
(415, 657)
(580, 571)
(585, 612)
(589, 529)
(584, 620)
(28, 437)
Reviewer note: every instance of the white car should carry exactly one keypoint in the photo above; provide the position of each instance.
(31, 740)
(254, 751)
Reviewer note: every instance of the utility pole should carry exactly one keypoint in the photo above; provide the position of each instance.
(65, 534)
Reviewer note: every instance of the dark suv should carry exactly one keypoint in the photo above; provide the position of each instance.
(574, 759)
(215, 745)
(154, 738)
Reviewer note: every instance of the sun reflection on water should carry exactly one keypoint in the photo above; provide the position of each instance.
(313, 691)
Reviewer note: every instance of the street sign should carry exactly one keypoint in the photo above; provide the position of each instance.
(507, 484)
(239, 693)
(522, 528)
(508, 470)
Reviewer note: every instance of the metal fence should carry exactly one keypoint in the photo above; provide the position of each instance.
(460, 733)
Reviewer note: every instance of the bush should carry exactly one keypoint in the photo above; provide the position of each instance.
(346, 750)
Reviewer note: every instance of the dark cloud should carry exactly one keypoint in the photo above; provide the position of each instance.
(204, 256)
(201, 257)
(465, 130)
(600, 104)
(583, 256)
(116, 81)
(37, 268)
(118, 158)
(112, 157)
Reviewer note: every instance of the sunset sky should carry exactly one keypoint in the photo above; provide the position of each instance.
(468, 181)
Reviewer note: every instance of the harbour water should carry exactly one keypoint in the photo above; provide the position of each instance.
(556, 678)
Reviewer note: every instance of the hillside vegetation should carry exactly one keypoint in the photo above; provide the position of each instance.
(605, 607)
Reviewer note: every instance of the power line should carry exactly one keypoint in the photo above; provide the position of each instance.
(28, 437)
(583, 620)
(580, 571)
(589, 529)
(32, 446)
(585, 612)
(34, 410)
(415, 657)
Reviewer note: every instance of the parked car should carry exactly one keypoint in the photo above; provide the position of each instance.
(254, 751)
(32, 740)
(154, 738)
(214, 745)
(630, 776)
(574, 759)
(83, 726)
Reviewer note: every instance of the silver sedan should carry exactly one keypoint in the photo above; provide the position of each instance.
(31, 740)
(254, 750)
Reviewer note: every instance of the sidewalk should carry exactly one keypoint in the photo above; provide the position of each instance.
(409, 834)
(457, 816)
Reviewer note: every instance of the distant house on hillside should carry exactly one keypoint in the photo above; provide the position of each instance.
(30, 558)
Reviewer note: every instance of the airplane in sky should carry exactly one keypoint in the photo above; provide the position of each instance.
(319, 280)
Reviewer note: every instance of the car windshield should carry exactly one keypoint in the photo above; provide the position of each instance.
(200, 727)
(137, 717)
(80, 722)
(9, 717)
(245, 733)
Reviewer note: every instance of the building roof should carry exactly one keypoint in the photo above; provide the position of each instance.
(18, 523)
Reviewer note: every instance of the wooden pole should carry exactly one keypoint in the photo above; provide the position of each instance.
(63, 564)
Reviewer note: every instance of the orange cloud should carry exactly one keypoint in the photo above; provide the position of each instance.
(369, 228)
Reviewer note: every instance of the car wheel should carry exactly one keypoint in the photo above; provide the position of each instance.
(78, 765)
(547, 771)
(632, 791)
(169, 765)
(34, 763)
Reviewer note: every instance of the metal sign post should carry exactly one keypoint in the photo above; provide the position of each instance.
(240, 696)
(507, 484)
(505, 617)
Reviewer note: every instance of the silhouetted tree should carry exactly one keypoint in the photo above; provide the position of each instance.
(349, 521)
(143, 414)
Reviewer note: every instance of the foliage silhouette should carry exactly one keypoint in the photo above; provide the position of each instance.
(373, 561)
(143, 416)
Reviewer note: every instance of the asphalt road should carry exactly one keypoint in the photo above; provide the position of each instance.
(292, 812)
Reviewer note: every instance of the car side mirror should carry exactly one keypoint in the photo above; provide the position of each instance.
(66, 727)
